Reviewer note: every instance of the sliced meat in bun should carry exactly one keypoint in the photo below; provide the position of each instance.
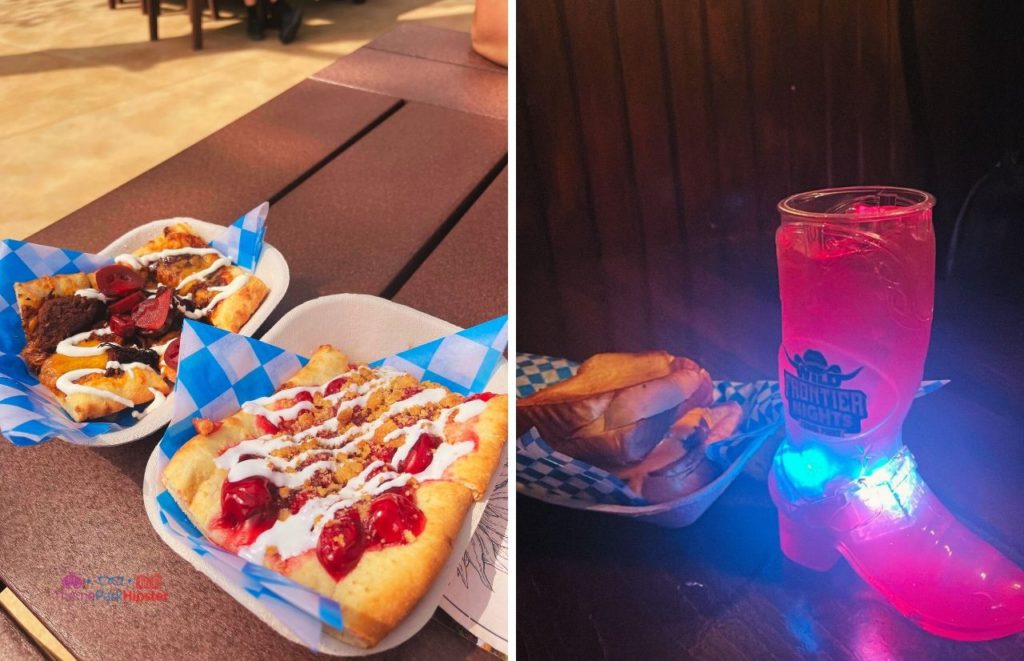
(617, 407)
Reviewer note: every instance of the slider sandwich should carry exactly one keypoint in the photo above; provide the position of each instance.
(645, 417)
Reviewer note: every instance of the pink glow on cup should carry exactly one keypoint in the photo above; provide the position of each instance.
(856, 276)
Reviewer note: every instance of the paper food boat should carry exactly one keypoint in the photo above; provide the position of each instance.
(29, 413)
(368, 329)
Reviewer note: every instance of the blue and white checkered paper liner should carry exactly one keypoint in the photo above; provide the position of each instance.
(542, 471)
(29, 412)
(242, 240)
(218, 371)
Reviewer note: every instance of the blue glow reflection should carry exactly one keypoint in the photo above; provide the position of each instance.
(892, 486)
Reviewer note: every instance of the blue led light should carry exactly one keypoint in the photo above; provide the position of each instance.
(892, 487)
(808, 469)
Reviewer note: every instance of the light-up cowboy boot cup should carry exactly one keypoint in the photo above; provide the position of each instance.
(856, 278)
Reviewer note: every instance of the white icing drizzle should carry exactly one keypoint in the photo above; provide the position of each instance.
(462, 413)
(158, 399)
(139, 262)
(68, 346)
(143, 261)
(363, 391)
(261, 405)
(223, 292)
(276, 417)
(444, 456)
(469, 410)
(161, 348)
(129, 260)
(205, 273)
(251, 467)
(422, 398)
(287, 393)
(89, 292)
(329, 425)
(300, 532)
(66, 382)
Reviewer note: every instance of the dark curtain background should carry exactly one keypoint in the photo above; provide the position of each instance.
(654, 135)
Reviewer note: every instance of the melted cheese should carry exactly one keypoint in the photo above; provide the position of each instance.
(69, 346)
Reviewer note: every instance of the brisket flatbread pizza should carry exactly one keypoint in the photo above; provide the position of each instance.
(107, 341)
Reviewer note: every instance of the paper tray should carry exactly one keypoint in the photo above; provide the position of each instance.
(37, 416)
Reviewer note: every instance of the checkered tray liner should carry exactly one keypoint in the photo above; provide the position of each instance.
(218, 371)
(543, 473)
(29, 413)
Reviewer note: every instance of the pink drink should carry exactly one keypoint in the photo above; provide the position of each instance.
(856, 276)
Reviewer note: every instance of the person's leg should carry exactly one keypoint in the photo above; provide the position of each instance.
(286, 18)
(254, 25)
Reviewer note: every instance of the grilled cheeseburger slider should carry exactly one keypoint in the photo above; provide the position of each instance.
(643, 416)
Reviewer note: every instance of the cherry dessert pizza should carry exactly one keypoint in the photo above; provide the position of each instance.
(350, 480)
(107, 341)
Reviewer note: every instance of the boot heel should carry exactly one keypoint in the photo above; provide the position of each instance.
(810, 547)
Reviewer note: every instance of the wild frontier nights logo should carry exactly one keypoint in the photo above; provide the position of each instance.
(817, 401)
(109, 589)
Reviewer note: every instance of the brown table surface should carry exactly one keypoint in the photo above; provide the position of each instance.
(13, 643)
(372, 190)
(599, 586)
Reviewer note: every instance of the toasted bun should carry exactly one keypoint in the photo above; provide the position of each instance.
(617, 407)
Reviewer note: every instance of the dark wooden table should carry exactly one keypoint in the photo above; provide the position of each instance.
(13, 643)
(376, 187)
(595, 586)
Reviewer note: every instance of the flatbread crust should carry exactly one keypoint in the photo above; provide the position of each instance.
(192, 464)
(325, 363)
(387, 583)
(178, 235)
(234, 311)
(474, 471)
(132, 384)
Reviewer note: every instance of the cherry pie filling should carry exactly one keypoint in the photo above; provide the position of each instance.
(248, 508)
(342, 434)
